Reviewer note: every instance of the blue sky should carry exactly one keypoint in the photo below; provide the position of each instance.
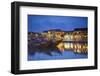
(40, 23)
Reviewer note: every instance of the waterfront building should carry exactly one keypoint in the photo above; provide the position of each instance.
(80, 34)
(32, 35)
(54, 34)
(68, 36)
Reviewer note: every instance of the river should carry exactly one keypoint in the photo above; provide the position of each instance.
(65, 50)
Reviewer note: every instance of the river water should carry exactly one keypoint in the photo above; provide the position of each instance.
(68, 51)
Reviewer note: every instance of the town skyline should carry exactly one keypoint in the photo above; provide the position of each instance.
(62, 30)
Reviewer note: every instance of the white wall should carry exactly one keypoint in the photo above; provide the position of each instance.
(5, 41)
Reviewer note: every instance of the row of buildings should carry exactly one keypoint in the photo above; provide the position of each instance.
(78, 34)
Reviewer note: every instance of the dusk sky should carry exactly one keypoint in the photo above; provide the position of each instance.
(40, 23)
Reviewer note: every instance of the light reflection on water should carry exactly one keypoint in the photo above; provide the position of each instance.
(76, 47)
(64, 50)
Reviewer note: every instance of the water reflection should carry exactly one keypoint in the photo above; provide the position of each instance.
(77, 47)
(58, 47)
(57, 50)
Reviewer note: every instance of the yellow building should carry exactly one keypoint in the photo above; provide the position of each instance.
(55, 34)
(68, 36)
(80, 34)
